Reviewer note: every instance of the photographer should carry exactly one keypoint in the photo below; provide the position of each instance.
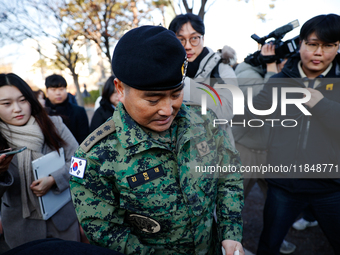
(314, 140)
(252, 142)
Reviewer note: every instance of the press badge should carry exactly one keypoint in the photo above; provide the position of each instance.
(77, 167)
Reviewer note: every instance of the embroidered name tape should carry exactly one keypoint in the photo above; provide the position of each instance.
(146, 176)
(77, 167)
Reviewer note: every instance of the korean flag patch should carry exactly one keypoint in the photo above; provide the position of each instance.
(77, 167)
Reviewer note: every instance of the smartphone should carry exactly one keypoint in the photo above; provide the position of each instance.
(10, 151)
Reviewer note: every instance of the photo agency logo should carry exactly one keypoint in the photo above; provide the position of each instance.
(204, 97)
(239, 105)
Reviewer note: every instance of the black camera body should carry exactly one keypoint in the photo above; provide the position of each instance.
(282, 49)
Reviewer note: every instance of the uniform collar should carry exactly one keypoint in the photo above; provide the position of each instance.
(317, 81)
(303, 75)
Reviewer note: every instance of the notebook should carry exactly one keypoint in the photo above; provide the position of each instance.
(50, 203)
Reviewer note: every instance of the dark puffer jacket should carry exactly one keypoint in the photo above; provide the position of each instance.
(103, 112)
(74, 117)
(314, 141)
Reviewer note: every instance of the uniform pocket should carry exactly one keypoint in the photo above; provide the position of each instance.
(148, 203)
(151, 213)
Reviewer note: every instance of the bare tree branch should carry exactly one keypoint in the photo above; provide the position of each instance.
(186, 6)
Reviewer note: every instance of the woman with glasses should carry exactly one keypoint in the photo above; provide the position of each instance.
(205, 66)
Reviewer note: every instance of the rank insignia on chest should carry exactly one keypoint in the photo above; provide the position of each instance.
(144, 223)
(77, 167)
(146, 176)
(203, 148)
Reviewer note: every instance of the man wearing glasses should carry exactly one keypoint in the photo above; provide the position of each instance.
(136, 187)
(205, 66)
(312, 146)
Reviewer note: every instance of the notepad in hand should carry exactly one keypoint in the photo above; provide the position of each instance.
(50, 203)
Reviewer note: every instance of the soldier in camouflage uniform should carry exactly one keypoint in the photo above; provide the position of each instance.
(135, 183)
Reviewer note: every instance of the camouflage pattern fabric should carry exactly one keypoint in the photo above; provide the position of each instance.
(141, 195)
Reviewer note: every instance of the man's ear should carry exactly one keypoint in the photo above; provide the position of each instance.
(121, 90)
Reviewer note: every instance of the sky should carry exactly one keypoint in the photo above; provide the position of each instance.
(232, 22)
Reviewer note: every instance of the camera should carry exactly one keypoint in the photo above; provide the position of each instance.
(282, 49)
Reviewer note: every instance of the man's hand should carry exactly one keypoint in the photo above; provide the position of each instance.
(41, 186)
(316, 96)
(269, 50)
(230, 246)
(4, 162)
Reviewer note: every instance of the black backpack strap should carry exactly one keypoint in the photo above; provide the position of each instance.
(216, 74)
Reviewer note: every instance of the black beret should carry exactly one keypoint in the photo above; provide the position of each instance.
(150, 58)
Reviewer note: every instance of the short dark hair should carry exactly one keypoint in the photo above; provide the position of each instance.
(326, 28)
(55, 81)
(109, 88)
(195, 21)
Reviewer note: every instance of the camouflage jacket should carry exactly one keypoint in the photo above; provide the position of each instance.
(142, 192)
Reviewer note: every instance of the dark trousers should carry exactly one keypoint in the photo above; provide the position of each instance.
(282, 208)
(308, 215)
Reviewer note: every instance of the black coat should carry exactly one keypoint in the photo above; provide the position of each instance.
(74, 117)
(313, 142)
(103, 112)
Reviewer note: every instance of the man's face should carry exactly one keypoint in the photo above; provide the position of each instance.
(154, 110)
(316, 62)
(187, 33)
(14, 108)
(56, 95)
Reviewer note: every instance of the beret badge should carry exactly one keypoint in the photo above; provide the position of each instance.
(184, 68)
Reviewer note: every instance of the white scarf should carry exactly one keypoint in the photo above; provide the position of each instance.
(31, 136)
